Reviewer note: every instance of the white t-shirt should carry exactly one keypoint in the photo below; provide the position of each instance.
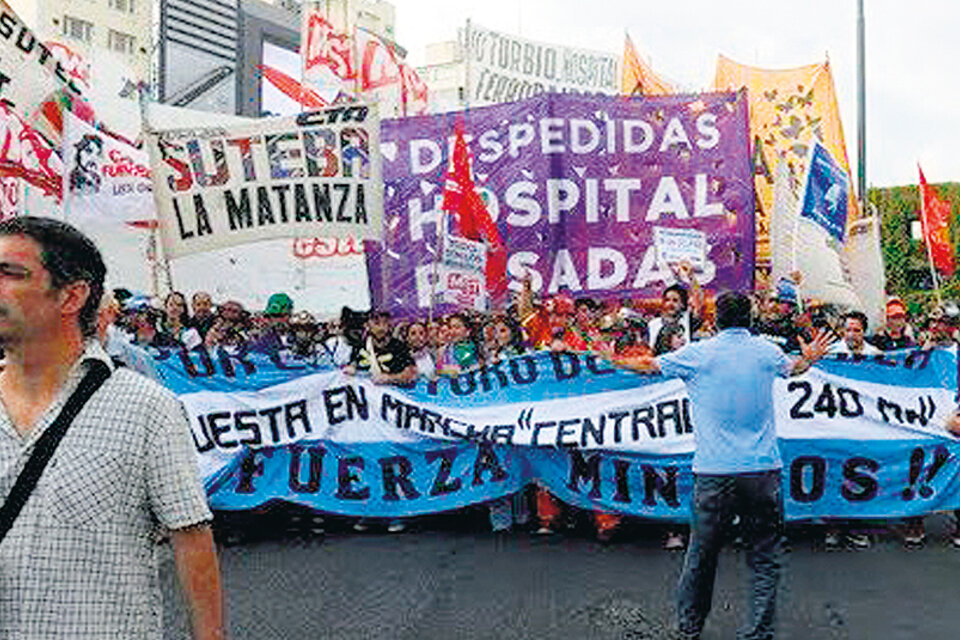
(655, 325)
(840, 347)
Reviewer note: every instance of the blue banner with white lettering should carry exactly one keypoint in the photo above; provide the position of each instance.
(860, 438)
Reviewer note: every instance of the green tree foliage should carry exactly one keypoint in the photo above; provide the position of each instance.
(905, 260)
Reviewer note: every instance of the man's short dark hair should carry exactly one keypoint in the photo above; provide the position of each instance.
(589, 303)
(733, 310)
(69, 256)
(680, 290)
(859, 316)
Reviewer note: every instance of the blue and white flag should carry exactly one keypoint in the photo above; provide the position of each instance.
(826, 192)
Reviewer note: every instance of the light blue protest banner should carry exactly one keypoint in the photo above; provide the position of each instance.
(860, 437)
(384, 480)
(843, 479)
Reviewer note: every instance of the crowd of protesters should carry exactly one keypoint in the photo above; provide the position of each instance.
(393, 351)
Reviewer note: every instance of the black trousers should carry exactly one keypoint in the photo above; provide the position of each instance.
(757, 499)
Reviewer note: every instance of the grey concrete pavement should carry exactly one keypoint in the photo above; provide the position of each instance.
(448, 583)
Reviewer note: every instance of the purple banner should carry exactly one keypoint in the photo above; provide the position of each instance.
(577, 186)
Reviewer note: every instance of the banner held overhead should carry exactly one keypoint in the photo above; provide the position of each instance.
(316, 174)
(575, 186)
(104, 180)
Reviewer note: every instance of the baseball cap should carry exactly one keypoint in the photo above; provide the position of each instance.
(786, 291)
(137, 303)
(896, 307)
(279, 304)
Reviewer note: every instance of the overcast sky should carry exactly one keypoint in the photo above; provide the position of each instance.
(912, 49)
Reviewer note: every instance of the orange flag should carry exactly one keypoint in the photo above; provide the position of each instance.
(789, 109)
(637, 78)
(935, 217)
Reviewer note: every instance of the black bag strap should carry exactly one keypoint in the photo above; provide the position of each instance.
(97, 374)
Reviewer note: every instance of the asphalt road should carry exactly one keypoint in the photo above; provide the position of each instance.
(446, 579)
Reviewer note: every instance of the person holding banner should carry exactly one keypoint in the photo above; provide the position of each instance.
(853, 344)
(118, 347)
(387, 359)
(460, 352)
(176, 325)
(231, 328)
(896, 333)
(415, 335)
(502, 339)
(854, 333)
(678, 306)
(583, 334)
(203, 315)
(942, 327)
(736, 462)
(671, 339)
(96, 462)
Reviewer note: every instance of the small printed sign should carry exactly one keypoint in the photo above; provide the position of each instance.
(679, 245)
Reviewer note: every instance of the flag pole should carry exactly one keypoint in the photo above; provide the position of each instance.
(926, 240)
(795, 240)
(154, 244)
(436, 265)
(441, 230)
(435, 276)
(467, 53)
(861, 110)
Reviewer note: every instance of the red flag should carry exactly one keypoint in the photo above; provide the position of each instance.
(292, 88)
(460, 197)
(26, 154)
(935, 217)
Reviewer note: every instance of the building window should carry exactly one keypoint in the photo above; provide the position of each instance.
(121, 42)
(127, 6)
(77, 29)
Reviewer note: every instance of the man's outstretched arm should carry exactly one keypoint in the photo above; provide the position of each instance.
(640, 364)
(199, 576)
(811, 351)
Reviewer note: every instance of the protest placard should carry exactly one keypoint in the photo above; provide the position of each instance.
(505, 68)
(680, 245)
(316, 174)
(462, 273)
